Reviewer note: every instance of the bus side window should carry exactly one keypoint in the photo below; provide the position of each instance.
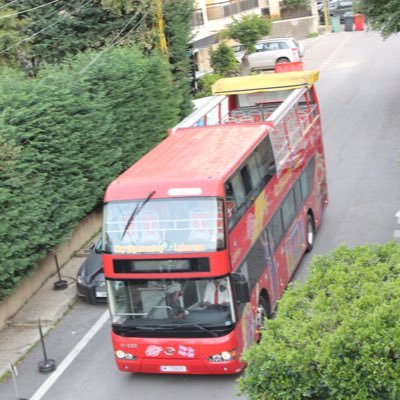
(288, 210)
(254, 173)
(276, 228)
(306, 180)
(265, 160)
(244, 172)
(238, 190)
(230, 201)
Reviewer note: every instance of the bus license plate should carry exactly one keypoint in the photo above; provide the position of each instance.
(173, 368)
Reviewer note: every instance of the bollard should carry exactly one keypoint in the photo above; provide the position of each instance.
(47, 365)
(61, 284)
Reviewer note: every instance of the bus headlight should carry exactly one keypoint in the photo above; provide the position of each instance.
(124, 356)
(224, 356)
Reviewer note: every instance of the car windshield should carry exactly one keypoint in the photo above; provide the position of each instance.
(181, 225)
(159, 304)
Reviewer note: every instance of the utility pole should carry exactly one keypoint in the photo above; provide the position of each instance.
(162, 42)
(326, 16)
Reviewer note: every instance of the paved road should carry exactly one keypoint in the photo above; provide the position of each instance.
(358, 86)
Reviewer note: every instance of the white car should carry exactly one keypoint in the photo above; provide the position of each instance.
(272, 51)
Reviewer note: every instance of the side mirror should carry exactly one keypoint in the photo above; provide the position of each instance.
(241, 288)
(97, 247)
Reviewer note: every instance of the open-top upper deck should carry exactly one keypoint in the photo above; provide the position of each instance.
(265, 82)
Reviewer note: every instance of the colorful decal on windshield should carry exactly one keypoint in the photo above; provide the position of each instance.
(159, 248)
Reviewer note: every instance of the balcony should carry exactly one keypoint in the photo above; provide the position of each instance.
(229, 8)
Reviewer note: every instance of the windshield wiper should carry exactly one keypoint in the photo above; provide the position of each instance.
(136, 211)
(199, 326)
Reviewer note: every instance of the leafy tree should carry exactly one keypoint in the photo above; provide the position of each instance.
(10, 36)
(383, 15)
(205, 85)
(247, 31)
(223, 60)
(177, 19)
(335, 337)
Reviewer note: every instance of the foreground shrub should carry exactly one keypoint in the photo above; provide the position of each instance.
(337, 336)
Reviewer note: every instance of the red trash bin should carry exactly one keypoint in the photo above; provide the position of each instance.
(359, 22)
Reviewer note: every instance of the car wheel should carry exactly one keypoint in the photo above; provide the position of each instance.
(282, 60)
(310, 233)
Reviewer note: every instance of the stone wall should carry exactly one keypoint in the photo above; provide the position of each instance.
(85, 231)
(298, 28)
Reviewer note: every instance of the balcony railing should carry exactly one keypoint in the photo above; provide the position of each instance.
(229, 8)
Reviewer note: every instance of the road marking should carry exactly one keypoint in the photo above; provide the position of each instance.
(396, 234)
(329, 59)
(49, 382)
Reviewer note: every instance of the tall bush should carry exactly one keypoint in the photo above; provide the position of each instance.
(71, 131)
(337, 336)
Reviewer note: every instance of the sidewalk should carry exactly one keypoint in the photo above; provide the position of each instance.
(48, 305)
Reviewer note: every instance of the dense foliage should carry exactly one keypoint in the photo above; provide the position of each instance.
(247, 31)
(223, 60)
(68, 133)
(383, 15)
(177, 18)
(205, 85)
(337, 336)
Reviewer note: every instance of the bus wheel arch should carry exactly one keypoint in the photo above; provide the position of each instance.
(310, 231)
(263, 312)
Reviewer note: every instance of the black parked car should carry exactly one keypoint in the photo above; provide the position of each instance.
(90, 280)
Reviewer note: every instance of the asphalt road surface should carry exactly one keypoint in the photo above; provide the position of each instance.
(360, 103)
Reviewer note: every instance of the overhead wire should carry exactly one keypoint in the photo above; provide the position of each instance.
(26, 11)
(8, 4)
(47, 27)
(45, 16)
(115, 39)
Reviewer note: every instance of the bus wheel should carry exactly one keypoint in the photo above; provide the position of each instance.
(262, 314)
(310, 233)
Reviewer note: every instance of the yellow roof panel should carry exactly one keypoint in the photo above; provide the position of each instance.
(265, 82)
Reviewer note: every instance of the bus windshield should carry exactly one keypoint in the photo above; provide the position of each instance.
(138, 305)
(150, 226)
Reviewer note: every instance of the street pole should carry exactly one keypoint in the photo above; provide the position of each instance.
(326, 16)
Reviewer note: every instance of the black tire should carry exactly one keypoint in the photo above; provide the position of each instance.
(310, 233)
(282, 60)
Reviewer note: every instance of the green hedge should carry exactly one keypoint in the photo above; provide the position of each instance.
(337, 336)
(70, 132)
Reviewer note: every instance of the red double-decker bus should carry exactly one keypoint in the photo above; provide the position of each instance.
(202, 235)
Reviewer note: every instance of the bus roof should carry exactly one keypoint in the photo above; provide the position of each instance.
(265, 82)
(199, 157)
